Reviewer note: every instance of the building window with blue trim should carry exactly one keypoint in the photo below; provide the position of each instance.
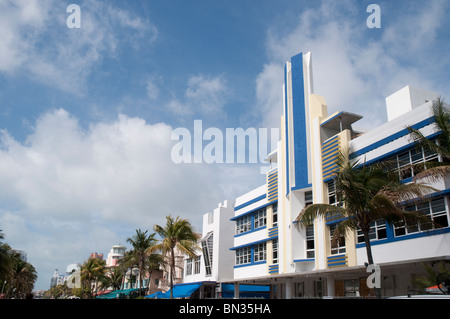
(310, 251)
(260, 218)
(243, 255)
(377, 231)
(259, 251)
(434, 209)
(275, 251)
(243, 224)
(406, 163)
(337, 244)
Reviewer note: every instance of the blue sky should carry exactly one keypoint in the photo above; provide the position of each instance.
(86, 114)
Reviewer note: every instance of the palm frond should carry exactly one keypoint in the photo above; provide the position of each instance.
(310, 212)
(435, 172)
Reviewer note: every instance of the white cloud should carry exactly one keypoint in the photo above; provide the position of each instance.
(68, 191)
(204, 96)
(207, 93)
(36, 42)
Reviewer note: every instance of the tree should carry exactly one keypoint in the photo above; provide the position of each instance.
(112, 279)
(366, 194)
(17, 276)
(141, 243)
(92, 271)
(441, 146)
(431, 279)
(178, 234)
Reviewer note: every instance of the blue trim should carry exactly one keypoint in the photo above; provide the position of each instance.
(286, 129)
(304, 260)
(250, 211)
(253, 243)
(250, 202)
(393, 137)
(299, 123)
(397, 151)
(392, 238)
(251, 264)
(332, 118)
(252, 230)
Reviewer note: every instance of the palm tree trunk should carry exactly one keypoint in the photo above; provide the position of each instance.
(172, 268)
(370, 257)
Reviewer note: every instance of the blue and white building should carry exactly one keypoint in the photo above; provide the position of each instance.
(254, 239)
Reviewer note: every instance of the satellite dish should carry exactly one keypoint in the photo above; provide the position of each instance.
(443, 282)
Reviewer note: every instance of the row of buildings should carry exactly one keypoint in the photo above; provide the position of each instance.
(251, 246)
(253, 240)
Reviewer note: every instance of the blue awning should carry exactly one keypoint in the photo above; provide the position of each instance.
(247, 291)
(116, 294)
(179, 291)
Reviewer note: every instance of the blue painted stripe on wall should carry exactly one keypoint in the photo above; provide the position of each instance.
(299, 123)
(250, 202)
(393, 137)
(286, 121)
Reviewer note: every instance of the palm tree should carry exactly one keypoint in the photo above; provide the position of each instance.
(366, 194)
(92, 271)
(431, 279)
(177, 234)
(112, 279)
(141, 242)
(20, 276)
(435, 170)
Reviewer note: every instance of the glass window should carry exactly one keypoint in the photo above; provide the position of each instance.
(274, 214)
(337, 245)
(197, 265)
(243, 256)
(310, 241)
(260, 252)
(404, 162)
(435, 209)
(189, 267)
(275, 251)
(243, 224)
(377, 231)
(207, 249)
(308, 198)
(332, 200)
(260, 218)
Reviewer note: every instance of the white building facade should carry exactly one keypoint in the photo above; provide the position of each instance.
(256, 240)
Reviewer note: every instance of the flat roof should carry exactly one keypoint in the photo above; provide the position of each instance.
(337, 119)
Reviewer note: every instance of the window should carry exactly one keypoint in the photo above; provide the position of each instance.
(243, 224)
(243, 256)
(377, 231)
(332, 200)
(435, 209)
(197, 265)
(260, 252)
(275, 214)
(404, 163)
(275, 251)
(308, 198)
(310, 241)
(337, 244)
(188, 266)
(207, 248)
(260, 218)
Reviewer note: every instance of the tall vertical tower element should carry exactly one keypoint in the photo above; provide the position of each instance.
(298, 86)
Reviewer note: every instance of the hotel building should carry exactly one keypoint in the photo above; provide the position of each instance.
(254, 239)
